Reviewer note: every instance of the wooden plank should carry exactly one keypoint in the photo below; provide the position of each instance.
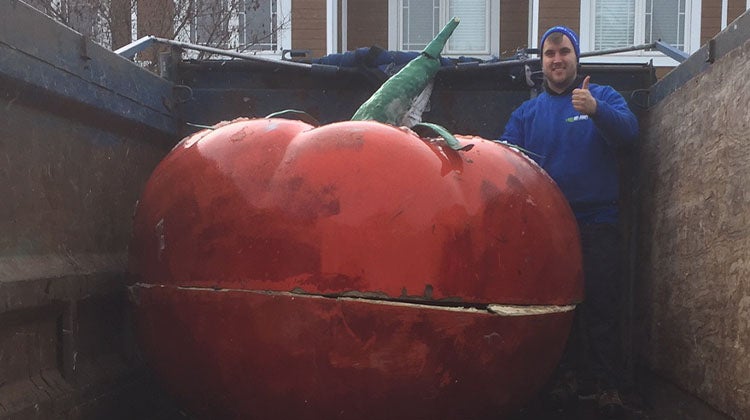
(694, 288)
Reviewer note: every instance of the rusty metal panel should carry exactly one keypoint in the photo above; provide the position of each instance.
(81, 130)
(59, 68)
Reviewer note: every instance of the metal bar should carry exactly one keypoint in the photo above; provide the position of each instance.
(515, 62)
(672, 52)
(130, 50)
(218, 51)
(618, 50)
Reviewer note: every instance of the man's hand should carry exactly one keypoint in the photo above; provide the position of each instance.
(583, 102)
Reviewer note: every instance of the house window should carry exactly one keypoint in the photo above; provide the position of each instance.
(607, 24)
(413, 23)
(615, 23)
(242, 25)
(258, 25)
(209, 23)
(665, 20)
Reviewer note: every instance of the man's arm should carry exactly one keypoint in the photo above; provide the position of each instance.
(614, 119)
(514, 129)
(609, 111)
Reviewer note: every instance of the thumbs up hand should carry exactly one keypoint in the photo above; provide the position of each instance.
(583, 102)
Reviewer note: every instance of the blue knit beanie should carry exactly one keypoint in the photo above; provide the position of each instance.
(567, 32)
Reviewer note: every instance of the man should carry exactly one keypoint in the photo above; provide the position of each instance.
(573, 130)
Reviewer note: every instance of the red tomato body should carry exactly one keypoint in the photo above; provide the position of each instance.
(286, 271)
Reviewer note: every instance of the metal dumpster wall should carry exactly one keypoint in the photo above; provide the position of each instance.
(475, 100)
(694, 288)
(80, 131)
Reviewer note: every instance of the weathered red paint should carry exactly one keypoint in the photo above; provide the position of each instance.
(233, 354)
(241, 229)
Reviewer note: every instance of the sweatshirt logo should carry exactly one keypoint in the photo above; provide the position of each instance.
(577, 118)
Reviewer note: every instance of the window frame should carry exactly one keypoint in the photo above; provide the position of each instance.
(242, 35)
(283, 37)
(395, 25)
(587, 32)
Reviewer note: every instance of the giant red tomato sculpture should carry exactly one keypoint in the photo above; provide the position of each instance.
(352, 270)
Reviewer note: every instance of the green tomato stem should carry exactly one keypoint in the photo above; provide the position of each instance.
(390, 103)
(449, 138)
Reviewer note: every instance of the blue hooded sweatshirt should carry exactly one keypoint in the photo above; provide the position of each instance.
(577, 151)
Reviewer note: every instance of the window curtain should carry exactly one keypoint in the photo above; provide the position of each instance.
(614, 24)
(471, 34)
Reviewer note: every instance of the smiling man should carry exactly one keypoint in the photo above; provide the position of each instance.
(573, 130)
(560, 61)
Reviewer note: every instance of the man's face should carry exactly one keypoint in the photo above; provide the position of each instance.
(559, 63)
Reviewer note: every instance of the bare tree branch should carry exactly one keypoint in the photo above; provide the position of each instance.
(242, 25)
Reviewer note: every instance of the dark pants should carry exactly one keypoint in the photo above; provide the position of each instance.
(595, 345)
